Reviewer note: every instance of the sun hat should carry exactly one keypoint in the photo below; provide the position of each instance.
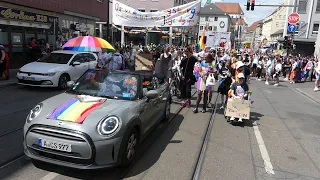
(239, 64)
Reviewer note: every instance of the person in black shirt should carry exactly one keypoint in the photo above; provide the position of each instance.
(225, 73)
(188, 78)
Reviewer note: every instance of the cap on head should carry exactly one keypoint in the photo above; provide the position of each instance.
(241, 76)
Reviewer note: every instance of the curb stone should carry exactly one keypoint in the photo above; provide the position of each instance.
(314, 99)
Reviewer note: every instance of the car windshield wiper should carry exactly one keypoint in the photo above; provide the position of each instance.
(108, 97)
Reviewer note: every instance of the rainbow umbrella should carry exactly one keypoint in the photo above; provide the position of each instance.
(87, 43)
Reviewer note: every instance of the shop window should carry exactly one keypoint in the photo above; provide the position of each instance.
(201, 28)
(210, 28)
(206, 18)
(215, 18)
(315, 28)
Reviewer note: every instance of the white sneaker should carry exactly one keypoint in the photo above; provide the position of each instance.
(267, 83)
(316, 89)
(240, 120)
(232, 119)
(276, 84)
(222, 107)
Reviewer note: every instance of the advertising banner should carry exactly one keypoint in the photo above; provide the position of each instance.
(218, 39)
(183, 15)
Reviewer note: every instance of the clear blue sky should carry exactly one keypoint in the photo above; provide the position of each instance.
(258, 13)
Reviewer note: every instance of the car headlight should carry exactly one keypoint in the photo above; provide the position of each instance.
(50, 74)
(109, 126)
(34, 112)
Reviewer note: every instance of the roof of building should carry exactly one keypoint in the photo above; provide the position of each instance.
(211, 9)
(229, 7)
(254, 25)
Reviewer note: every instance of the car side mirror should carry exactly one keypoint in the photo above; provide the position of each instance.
(152, 94)
(76, 63)
(70, 84)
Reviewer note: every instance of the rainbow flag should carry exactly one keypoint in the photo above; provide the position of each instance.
(201, 41)
(74, 110)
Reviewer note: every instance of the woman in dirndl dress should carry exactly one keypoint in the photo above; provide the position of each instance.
(205, 82)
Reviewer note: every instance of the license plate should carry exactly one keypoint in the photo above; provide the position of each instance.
(55, 145)
(29, 78)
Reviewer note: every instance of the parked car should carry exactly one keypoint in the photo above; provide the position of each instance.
(97, 123)
(56, 69)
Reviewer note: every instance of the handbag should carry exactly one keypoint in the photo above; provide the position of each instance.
(210, 80)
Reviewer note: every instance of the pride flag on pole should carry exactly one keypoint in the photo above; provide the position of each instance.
(201, 43)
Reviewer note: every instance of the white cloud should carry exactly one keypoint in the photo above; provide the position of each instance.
(260, 12)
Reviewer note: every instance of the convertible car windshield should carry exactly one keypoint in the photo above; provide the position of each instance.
(115, 85)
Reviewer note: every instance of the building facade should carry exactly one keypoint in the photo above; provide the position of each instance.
(20, 21)
(215, 18)
(308, 26)
(235, 12)
(273, 23)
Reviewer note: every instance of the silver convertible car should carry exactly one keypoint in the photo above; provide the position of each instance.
(97, 123)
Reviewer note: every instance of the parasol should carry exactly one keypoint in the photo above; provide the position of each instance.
(87, 43)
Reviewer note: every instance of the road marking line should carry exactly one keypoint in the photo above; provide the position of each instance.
(50, 176)
(263, 150)
(268, 91)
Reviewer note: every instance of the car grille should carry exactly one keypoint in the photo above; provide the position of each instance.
(30, 82)
(69, 157)
(30, 73)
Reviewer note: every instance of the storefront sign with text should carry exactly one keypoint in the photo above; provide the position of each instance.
(14, 14)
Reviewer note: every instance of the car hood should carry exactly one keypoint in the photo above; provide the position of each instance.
(89, 125)
(40, 67)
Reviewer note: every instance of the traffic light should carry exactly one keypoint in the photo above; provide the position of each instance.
(289, 44)
(285, 42)
(248, 5)
(252, 5)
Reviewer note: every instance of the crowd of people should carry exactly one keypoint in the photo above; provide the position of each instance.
(230, 70)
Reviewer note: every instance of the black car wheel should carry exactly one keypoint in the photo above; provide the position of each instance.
(130, 150)
(63, 81)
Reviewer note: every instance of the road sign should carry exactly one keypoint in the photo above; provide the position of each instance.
(293, 18)
(292, 28)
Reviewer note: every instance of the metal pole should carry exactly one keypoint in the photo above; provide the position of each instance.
(122, 35)
(170, 36)
(274, 5)
(108, 9)
(54, 33)
(100, 31)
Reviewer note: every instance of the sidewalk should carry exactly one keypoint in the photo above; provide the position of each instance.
(12, 80)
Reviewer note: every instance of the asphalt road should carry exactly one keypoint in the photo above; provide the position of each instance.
(281, 141)
(16, 103)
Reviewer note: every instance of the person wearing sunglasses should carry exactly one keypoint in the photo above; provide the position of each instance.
(239, 90)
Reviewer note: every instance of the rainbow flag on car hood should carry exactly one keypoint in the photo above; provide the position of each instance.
(74, 110)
